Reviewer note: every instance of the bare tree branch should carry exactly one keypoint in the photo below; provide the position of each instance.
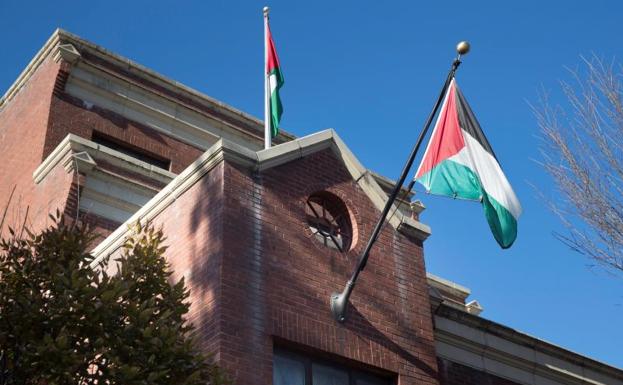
(582, 150)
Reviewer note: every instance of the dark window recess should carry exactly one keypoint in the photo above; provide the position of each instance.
(296, 369)
(132, 151)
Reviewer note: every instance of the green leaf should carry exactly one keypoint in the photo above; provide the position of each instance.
(61, 342)
(108, 295)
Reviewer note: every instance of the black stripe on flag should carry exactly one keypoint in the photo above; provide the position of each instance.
(468, 121)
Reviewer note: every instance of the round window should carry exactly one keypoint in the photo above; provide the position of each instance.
(328, 219)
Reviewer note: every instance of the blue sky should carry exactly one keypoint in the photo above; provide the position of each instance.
(371, 71)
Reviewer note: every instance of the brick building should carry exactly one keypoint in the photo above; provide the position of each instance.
(263, 237)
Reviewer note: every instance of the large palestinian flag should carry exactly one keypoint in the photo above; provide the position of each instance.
(460, 163)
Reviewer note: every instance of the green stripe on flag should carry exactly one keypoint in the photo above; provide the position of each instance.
(502, 223)
(455, 180)
(452, 179)
(276, 109)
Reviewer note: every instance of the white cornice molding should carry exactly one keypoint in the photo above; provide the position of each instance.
(450, 287)
(486, 346)
(165, 115)
(107, 193)
(225, 150)
(67, 52)
(87, 153)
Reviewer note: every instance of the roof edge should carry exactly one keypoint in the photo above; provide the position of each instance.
(521, 338)
(60, 36)
(31, 67)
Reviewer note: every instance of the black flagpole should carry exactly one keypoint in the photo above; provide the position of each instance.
(339, 301)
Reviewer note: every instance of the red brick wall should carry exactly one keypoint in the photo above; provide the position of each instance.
(51, 194)
(23, 127)
(23, 124)
(257, 277)
(451, 373)
(193, 226)
(69, 115)
(37, 119)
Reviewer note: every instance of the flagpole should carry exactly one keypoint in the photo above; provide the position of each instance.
(267, 131)
(339, 301)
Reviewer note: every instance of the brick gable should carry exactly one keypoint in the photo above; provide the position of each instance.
(258, 279)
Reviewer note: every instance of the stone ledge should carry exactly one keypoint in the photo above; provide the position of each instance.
(87, 152)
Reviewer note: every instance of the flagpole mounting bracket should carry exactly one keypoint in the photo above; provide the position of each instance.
(339, 302)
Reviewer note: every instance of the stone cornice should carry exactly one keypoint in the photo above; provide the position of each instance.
(452, 288)
(85, 152)
(502, 351)
(74, 50)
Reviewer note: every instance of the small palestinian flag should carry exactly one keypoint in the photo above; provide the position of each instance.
(460, 163)
(275, 81)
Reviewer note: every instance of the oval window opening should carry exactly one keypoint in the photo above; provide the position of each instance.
(329, 222)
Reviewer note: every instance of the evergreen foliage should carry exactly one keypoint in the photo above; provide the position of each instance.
(63, 321)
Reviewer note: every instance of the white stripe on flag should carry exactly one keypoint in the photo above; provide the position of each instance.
(492, 178)
(272, 81)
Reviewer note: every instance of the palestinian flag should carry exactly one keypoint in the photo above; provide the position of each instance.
(460, 163)
(275, 81)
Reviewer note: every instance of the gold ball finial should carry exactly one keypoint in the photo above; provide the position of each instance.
(462, 48)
